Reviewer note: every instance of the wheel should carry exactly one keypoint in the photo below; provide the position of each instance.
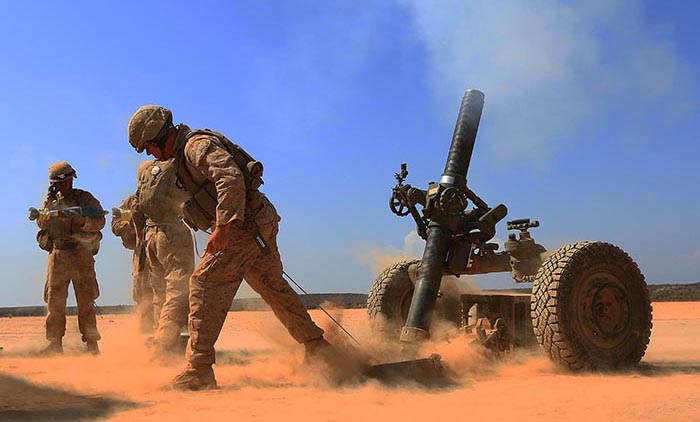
(390, 297)
(591, 307)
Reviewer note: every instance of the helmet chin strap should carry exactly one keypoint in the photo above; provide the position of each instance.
(162, 137)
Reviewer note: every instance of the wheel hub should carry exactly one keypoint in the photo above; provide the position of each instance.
(604, 311)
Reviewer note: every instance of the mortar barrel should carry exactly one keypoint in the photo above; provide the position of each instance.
(427, 285)
(438, 242)
(463, 139)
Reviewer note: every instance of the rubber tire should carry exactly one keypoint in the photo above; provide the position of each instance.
(390, 294)
(390, 297)
(563, 326)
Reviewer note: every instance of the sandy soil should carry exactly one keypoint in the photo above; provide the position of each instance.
(261, 378)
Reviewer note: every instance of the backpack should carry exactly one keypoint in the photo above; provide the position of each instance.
(200, 210)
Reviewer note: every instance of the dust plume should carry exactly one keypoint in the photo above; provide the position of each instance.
(379, 258)
(260, 373)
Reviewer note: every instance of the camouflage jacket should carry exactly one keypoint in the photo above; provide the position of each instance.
(158, 198)
(71, 230)
(207, 168)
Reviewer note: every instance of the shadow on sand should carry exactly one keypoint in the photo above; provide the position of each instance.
(23, 401)
(239, 357)
(668, 368)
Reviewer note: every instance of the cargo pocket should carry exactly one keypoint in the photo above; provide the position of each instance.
(194, 328)
(95, 290)
(46, 290)
(211, 268)
(44, 240)
(267, 219)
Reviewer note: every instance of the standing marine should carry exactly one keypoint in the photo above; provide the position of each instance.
(70, 225)
(142, 291)
(167, 251)
(222, 182)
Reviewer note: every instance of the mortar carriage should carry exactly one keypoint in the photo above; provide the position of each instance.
(589, 306)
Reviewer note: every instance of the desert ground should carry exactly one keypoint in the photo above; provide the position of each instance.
(262, 378)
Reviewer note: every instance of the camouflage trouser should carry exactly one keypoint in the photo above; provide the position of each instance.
(65, 265)
(214, 284)
(170, 259)
(142, 293)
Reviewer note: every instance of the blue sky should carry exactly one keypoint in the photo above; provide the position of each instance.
(591, 122)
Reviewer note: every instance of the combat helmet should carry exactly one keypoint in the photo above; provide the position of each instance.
(60, 171)
(150, 123)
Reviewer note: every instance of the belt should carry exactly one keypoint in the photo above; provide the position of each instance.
(152, 223)
(64, 245)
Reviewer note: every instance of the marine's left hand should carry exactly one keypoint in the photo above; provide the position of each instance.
(77, 221)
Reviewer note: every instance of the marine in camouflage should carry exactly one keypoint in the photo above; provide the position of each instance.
(74, 240)
(218, 276)
(168, 251)
(203, 159)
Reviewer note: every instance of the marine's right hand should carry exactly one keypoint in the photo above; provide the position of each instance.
(43, 221)
(219, 238)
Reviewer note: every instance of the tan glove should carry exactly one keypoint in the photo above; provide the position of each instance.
(77, 223)
(43, 221)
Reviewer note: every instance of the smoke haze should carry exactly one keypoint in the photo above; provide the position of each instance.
(549, 68)
(379, 258)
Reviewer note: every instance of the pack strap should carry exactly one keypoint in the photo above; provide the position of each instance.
(238, 154)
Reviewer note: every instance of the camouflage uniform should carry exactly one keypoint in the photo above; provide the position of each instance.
(223, 194)
(142, 291)
(218, 276)
(75, 241)
(168, 248)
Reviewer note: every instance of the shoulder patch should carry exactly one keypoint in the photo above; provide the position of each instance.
(143, 167)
